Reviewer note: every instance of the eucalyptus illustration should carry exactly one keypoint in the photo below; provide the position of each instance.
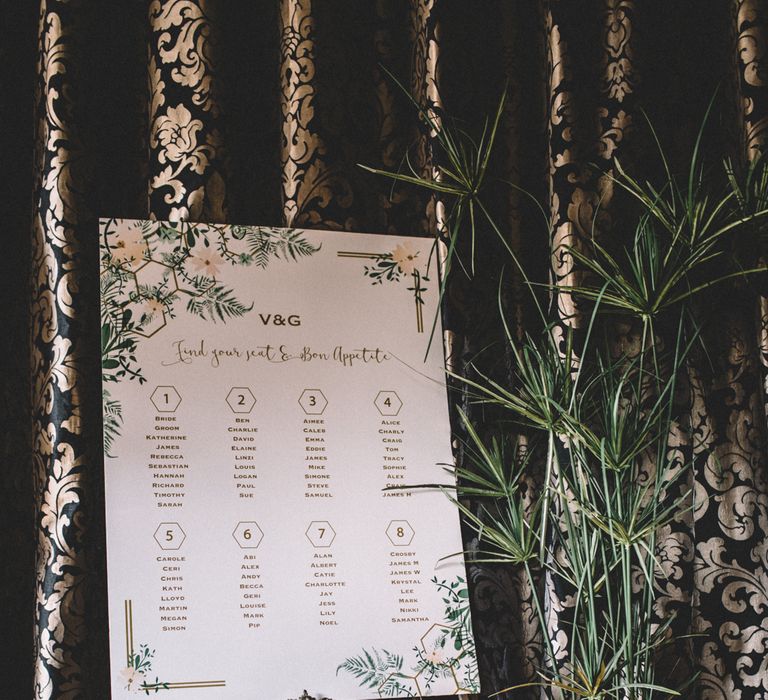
(445, 650)
(401, 263)
(151, 271)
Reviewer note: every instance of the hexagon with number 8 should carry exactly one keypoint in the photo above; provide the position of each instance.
(400, 533)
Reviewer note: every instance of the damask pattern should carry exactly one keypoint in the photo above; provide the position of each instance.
(58, 451)
(716, 557)
(187, 160)
(315, 195)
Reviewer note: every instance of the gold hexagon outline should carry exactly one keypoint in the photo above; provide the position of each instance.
(166, 386)
(251, 522)
(413, 533)
(183, 536)
(320, 546)
(388, 391)
(319, 391)
(245, 388)
(415, 679)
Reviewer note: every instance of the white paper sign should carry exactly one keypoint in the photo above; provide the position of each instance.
(262, 387)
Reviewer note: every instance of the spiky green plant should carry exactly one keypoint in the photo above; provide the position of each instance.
(592, 427)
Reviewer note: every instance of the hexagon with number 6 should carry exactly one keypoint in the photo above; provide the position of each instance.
(248, 534)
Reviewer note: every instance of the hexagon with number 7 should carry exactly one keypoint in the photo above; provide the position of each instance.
(248, 534)
(320, 534)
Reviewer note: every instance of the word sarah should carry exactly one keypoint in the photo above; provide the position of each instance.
(186, 354)
(280, 320)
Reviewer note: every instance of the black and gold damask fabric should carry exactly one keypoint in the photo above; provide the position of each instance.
(259, 112)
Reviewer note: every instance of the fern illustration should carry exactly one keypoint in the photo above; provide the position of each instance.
(373, 668)
(113, 419)
(215, 302)
(288, 244)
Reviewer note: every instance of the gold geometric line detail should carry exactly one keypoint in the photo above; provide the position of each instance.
(175, 685)
(369, 256)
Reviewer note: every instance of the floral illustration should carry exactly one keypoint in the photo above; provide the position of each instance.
(403, 261)
(446, 650)
(152, 271)
(135, 675)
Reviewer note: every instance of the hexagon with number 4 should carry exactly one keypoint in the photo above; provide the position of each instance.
(240, 399)
(388, 403)
(169, 535)
(248, 534)
(165, 399)
(313, 402)
(400, 533)
(320, 533)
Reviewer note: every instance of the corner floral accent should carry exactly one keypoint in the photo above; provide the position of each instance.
(140, 664)
(152, 271)
(446, 650)
(401, 262)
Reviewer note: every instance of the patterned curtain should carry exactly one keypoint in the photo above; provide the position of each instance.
(259, 113)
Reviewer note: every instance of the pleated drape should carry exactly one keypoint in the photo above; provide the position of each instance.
(259, 113)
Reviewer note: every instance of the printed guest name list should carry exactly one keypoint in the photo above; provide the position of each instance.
(269, 395)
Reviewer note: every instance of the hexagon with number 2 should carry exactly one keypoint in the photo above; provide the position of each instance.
(320, 533)
(240, 399)
(400, 533)
(248, 534)
(313, 402)
(165, 399)
(170, 535)
(388, 403)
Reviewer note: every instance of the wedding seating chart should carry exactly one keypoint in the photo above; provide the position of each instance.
(263, 391)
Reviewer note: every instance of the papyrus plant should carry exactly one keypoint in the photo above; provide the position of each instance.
(590, 457)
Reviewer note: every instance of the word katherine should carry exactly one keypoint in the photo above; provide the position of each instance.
(186, 354)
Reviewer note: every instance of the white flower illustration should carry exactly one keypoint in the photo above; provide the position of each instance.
(206, 259)
(436, 656)
(405, 256)
(130, 675)
(129, 246)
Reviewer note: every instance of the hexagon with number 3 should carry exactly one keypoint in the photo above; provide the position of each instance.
(388, 403)
(320, 533)
(248, 534)
(313, 402)
(240, 399)
(400, 533)
(165, 399)
(169, 535)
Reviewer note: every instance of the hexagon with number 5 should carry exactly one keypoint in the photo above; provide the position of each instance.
(320, 533)
(248, 534)
(169, 535)
(240, 399)
(400, 533)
